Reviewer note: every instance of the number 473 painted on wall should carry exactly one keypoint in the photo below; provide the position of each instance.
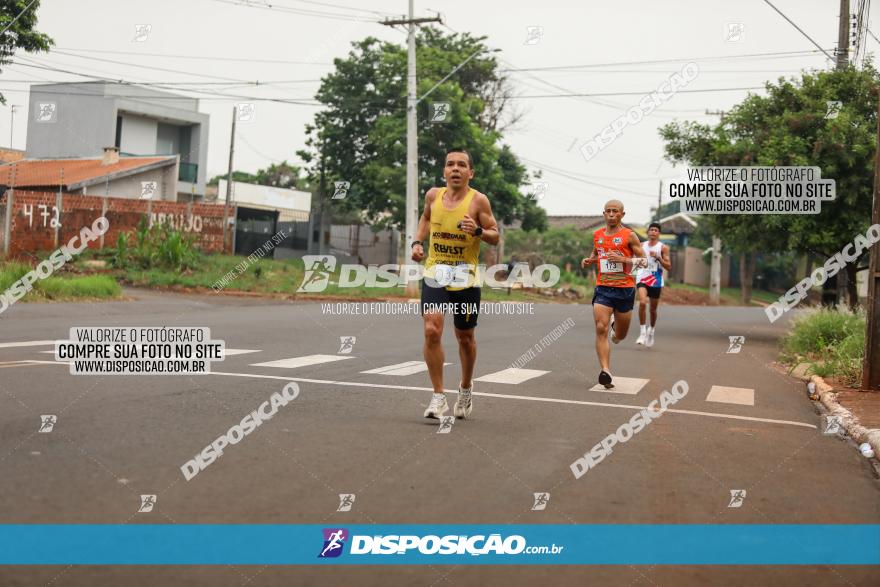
(29, 212)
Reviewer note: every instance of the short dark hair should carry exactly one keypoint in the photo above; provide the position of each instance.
(470, 159)
(655, 225)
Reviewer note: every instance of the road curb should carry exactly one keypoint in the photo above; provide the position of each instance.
(850, 423)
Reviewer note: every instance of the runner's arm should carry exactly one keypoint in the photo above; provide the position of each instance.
(665, 260)
(487, 221)
(589, 260)
(418, 251)
(635, 246)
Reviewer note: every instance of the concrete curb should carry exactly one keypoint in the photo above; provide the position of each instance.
(850, 423)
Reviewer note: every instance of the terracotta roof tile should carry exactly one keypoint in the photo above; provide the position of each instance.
(43, 172)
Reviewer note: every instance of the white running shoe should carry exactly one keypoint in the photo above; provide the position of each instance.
(437, 407)
(641, 338)
(464, 404)
(611, 334)
(649, 338)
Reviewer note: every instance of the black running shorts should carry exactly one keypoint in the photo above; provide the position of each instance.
(464, 304)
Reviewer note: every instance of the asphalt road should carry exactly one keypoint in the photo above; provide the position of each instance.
(351, 432)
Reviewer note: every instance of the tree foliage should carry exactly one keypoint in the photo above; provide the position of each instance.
(22, 34)
(789, 126)
(280, 175)
(360, 136)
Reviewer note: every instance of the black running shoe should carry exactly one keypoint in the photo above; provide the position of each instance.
(605, 379)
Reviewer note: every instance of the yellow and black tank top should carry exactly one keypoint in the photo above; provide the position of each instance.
(450, 247)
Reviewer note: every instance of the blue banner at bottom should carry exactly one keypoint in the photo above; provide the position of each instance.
(437, 544)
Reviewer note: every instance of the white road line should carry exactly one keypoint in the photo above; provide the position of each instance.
(294, 362)
(742, 396)
(6, 345)
(517, 397)
(485, 394)
(511, 376)
(627, 385)
(226, 352)
(401, 369)
(231, 352)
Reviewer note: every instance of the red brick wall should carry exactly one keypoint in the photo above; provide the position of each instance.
(35, 232)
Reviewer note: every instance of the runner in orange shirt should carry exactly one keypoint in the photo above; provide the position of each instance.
(616, 251)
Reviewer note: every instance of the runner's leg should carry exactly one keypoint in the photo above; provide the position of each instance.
(433, 349)
(621, 324)
(643, 302)
(601, 316)
(655, 303)
(467, 352)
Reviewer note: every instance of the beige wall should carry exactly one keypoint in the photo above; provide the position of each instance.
(130, 187)
(694, 271)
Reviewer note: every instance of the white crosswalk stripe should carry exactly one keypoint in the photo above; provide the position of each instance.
(627, 385)
(742, 396)
(401, 369)
(7, 345)
(511, 376)
(305, 361)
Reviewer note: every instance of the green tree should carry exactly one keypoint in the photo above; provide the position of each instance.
(21, 35)
(559, 246)
(789, 126)
(360, 136)
(281, 175)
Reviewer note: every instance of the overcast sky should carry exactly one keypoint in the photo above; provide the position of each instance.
(293, 44)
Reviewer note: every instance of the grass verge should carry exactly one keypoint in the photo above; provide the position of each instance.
(831, 341)
(59, 287)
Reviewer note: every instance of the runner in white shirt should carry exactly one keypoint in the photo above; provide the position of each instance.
(649, 282)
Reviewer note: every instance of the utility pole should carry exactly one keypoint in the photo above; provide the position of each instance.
(843, 35)
(229, 179)
(871, 362)
(322, 202)
(412, 145)
(659, 199)
(715, 272)
(12, 108)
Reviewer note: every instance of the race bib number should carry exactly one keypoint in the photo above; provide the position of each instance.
(606, 266)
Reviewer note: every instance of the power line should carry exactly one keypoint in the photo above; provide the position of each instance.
(163, 86)
(675, 60)
(578, 177)
(200, 57)
(637, 93)
(343, 7)
(799, 29)
(167, 70)
(297, 11)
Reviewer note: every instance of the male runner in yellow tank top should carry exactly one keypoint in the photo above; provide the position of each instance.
(457, 218)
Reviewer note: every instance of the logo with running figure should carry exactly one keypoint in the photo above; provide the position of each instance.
(346, 501)
(440, 111)
(346, 344)
(737, 497)
(147, 503)
(318, 270)
(541, 500)
(47, 423)
(736, 344)
(334, 541)
(446, 423)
